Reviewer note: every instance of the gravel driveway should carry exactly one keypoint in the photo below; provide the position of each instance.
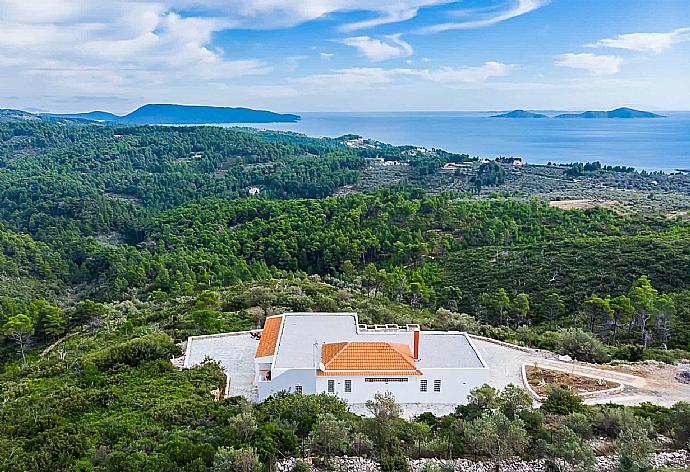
(654, 384)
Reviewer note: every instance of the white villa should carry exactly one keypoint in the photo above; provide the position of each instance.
(334, 353)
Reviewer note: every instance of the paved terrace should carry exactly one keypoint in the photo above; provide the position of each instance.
(234, 351)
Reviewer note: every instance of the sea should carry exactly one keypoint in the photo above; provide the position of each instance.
(651, 144)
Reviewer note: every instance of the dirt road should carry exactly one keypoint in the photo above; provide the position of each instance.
(642, 383)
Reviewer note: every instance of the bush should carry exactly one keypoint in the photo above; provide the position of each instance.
(547, 340)
(562, 401)
(438, 467)
(612, 420)
(394, 463)
(135, 351)
(582, 346)
(300, 466)
(580, 424)
(667, 356)
(635, 450)
(229, 459)
(628, 352)
(680, 419)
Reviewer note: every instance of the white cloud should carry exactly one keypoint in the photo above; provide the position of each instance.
(266, 14)
(293, 62)
(283, 13)
(370, 77)
(71, 47)
(593, 63)
(519, 8)
(646, 42)
(459, 75)
(354, 78)
(393, 12)
(326, 56)
(376, 50)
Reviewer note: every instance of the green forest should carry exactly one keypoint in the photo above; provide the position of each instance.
(118, 242)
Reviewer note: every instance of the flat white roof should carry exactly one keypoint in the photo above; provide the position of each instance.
(303, 334)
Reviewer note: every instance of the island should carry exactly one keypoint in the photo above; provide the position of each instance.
(622, 112)
(172, 114)
(520, 114)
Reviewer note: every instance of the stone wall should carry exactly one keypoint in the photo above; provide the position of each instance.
(679, 459)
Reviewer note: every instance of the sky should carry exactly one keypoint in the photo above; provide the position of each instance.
(345, 55)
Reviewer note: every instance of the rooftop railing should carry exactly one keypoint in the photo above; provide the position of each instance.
(387, 328)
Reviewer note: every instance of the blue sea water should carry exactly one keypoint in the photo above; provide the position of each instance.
(652, 144)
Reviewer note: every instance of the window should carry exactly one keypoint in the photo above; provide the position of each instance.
(437, 385)
(331, 386)
(422, 385)
(298, 389)
(348, 386)
(385, 379)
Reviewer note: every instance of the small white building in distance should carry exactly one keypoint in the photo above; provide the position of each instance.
(332, 353)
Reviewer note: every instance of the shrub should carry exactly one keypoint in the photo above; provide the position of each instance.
(450, 320)
(300, 466)
(567, 451)
(612, 420)
(361, 445)
(547, 340)
(135, 351)
(394, 463)
(667, 356)
(229, 459)
(635, 450)
(438, 467)
(580, 424)
(582, 346)
(680, 419)
(562, 401)
(629, 352)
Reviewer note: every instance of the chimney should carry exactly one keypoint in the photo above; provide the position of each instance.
(416, 344)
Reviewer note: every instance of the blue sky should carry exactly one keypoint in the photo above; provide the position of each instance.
(345, 55)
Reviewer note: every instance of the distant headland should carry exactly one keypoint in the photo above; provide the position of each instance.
(622, 112)
(171, 114)
(520, 114)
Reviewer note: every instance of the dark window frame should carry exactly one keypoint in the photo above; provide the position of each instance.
(385, 379)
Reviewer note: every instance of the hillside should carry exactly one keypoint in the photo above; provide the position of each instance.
(617, 113)
(117, 242)
(91, 116)
(129, 210)
(108, 398)
(186, 115)
(21, 115)
(520, 114)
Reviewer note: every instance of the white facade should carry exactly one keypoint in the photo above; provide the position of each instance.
(446, 365)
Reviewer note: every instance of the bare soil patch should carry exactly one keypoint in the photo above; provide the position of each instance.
(541, 380)
(582, 204)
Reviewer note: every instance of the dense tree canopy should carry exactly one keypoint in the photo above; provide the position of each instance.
(118, 242)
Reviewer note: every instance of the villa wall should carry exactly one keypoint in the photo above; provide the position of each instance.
(456, 385)
(286, 380)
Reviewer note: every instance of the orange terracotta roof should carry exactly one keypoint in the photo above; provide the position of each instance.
(367, 358)
(269, 337)
(368, 373)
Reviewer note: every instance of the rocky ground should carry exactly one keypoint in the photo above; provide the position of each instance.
(676, 459)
